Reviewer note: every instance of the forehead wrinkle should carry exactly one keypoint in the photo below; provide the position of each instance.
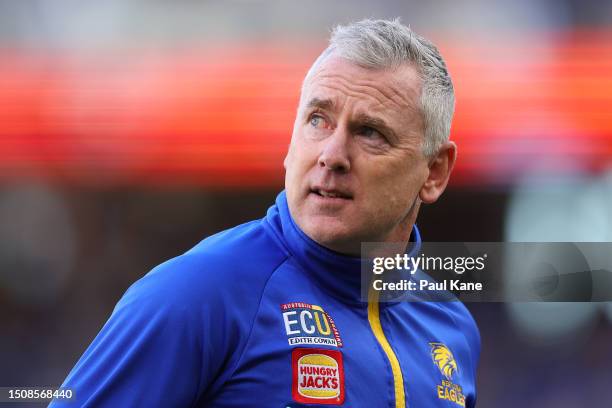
(382, 96)
(395, 124)
(381, 109)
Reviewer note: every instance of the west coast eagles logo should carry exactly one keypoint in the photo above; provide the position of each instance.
(445, 362)
(444, 359)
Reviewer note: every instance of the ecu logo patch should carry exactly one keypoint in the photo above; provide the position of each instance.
(444, 360)
(309, 324)
(318, 376)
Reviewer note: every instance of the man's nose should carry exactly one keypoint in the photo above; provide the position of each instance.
(335, 153)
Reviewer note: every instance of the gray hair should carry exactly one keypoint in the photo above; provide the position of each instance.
(380, 44)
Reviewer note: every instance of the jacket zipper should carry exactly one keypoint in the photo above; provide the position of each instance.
(374, 320)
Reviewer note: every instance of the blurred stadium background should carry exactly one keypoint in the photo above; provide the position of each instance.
(130, 130)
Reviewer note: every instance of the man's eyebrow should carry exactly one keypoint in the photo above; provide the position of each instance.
(326, 104)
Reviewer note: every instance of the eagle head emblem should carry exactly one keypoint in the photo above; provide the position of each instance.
(443, 359)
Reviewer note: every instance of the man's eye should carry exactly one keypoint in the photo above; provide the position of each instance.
(370, 133)
(318, 122)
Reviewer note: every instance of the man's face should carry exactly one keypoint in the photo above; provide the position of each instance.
(355, 164)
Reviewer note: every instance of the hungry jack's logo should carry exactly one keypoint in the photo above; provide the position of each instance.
(444, 360)
(318, 376)
(309, 324)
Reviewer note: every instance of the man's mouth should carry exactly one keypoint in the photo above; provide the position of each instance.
(331, 193)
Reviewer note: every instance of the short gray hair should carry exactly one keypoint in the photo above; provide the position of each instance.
(379, 44)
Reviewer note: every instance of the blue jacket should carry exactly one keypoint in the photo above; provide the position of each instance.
(262, 316)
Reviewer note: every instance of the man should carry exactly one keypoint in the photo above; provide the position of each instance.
(268, 314)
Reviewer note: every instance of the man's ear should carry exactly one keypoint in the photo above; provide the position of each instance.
(440, 167)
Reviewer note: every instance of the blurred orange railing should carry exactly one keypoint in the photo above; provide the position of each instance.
(223, 116)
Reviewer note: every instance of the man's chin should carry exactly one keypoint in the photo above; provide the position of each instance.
(335, 237)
